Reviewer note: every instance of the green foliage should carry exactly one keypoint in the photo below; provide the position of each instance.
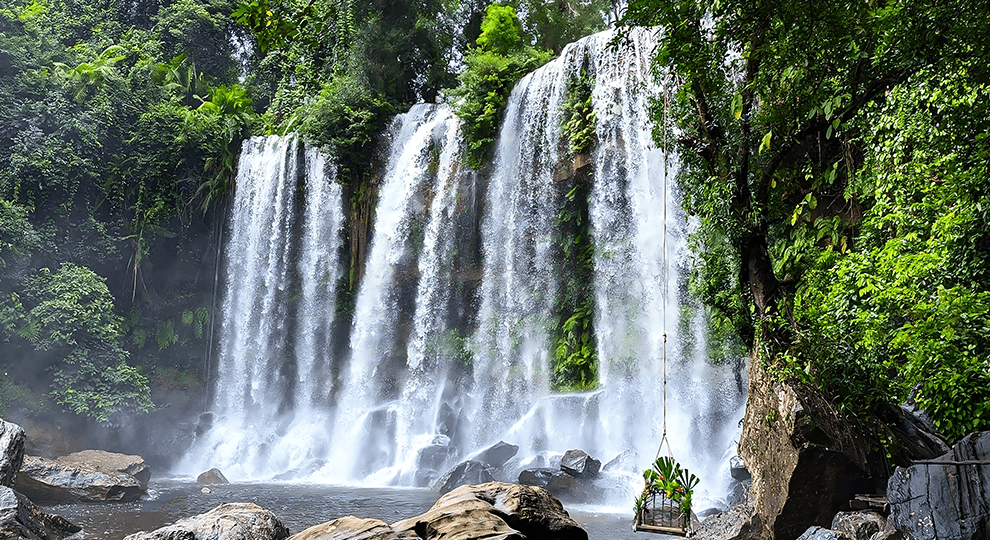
(488, 80)
(578, 114)
(906, 308)
(345, 119)
(70, 312)
(500, 30)
(552, 25)
(17, 235)
(575, 361)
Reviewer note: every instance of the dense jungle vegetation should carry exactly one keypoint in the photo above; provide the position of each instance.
(835, 153)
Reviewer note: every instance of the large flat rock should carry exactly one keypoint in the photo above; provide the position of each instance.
(88, 476)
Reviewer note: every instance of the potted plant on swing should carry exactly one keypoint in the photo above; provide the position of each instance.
(665, 505)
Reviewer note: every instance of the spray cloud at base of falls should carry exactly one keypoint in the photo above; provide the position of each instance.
(452, 333)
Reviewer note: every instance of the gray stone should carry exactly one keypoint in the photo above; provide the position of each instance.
(354, 528)
(539, 476)
(919, 438)
(627, 460)
(578, 463)
(466, 473)
(818, 533)
(22, 519)
(212, 476)
(497, 454)
(495, 511)
(947, 498)
(859, 525)
(737, 469)
(232, 521)
(11, 452)
(89, 476)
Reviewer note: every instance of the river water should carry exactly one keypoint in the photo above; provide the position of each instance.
(298, 506)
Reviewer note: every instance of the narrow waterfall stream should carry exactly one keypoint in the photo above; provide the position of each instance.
(452, 333)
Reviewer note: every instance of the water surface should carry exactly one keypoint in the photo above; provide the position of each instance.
(298, 506)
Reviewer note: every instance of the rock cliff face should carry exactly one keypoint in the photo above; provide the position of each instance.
(947, 498)
(805, 461)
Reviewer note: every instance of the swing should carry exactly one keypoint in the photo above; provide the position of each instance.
(665, 505)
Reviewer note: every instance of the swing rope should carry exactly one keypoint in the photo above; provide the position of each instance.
(666, 109)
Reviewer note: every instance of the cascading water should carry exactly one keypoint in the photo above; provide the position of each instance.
(281, 270)
(452, 330)
(639, 252)
(392, 386)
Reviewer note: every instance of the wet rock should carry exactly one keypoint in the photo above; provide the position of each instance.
(627, 460)
(947, 498)
(20, 518)
(88, 476)
(354, 528)
(919, 438)
(232, 521)
(212, 476)
(819, 533)
(858, 525)
(497, 454)
(495, 510)
(578, 463)
(466, 473)
(740, 522)
(564, 485)
(737, 469)
(538, 477)
(11, 452)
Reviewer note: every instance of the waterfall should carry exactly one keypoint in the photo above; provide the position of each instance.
(453, 328)
(640, 276)
(389, 396)
(281, 271)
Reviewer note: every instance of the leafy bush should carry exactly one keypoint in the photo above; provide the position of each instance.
(493, 68)
(70, 312)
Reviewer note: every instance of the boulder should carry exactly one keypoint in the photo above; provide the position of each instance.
(740, 522)
(627, 460)
(859, 525)
(538, 477)
(212, 476)
(11, 452)
(806, 461)
(820, 533)
(354, 528)
(947, 498)
(578, 463)
(89, 476)
(109, 462)
(495, 510)
(466, 473)
(497, 454)
(20, 518)
(918, 437)
(231, 521)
